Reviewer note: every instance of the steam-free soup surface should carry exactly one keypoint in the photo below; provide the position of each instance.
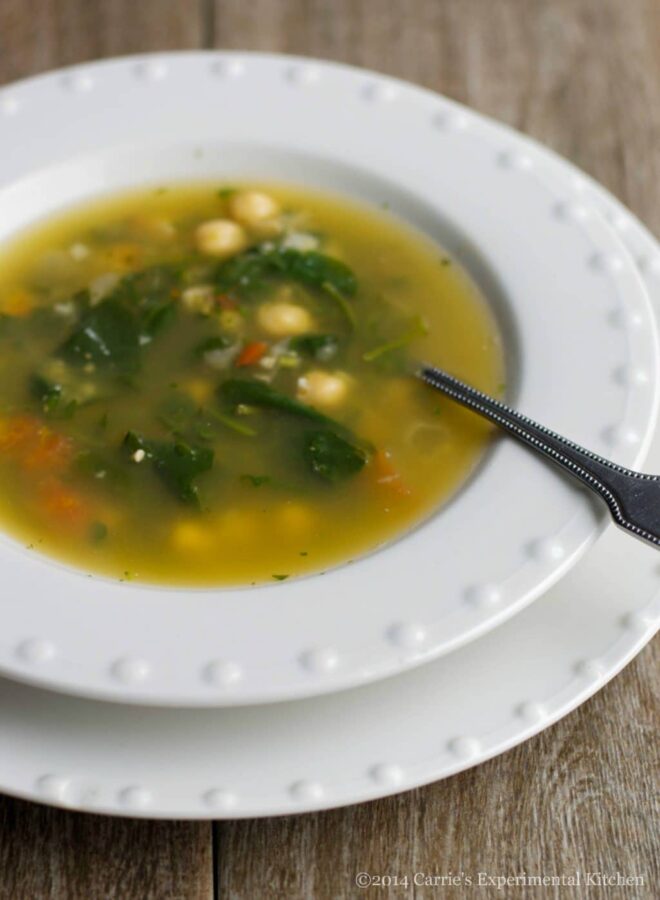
(211, 385)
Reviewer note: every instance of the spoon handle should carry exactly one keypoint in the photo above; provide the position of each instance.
(632, 497)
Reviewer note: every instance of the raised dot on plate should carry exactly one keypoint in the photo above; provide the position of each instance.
(621, 318)
(483, 595)
(514, 159)
(464, 747)
(222, 673)
(219, 798)
(606, 262)
(306, 791)
(406, 635)
(134, 797)
(546, 550)
(302, 74)
(618, 220)
(635, 621)
(227, 68)
(451, 120)
(571, 212)
(35, 650)
(626, 376)
(616, 436)
(9, 105)
(152, 70)
(320, 660)
(78, 82)
(589, 668)
(530, 711)
(377, 92)
(649, 265)
(130, 670)
(386, 773)
(53, 787)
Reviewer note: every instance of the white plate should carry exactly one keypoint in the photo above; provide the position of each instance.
(361, 744)
(583, 358)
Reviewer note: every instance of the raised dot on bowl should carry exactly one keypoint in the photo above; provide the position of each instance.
(319, 660)
(617, 436)
(483, 596)
(627, 377)
(406, 635)
(546, 550)
(151, 70)
(78, 82)
(649, 265)
(450, 120)
(222, 673)
(130, 670)
(606, 262)
(514, 159)
(35, 650)
(378, 92)
(636, 621)
(571, 212)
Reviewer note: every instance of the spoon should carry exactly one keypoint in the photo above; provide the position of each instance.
(632, 497)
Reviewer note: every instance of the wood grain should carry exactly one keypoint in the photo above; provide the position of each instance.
(583, 76)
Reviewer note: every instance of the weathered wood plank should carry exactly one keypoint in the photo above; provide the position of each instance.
(46, 853)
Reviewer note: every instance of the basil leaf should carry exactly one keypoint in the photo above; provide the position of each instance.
(176, 464)
(238, 391)
(331, 456)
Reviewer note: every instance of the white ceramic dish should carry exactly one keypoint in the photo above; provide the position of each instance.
(364, 743)
(571, 304)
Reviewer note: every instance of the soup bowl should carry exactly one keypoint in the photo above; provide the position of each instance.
(579, 336)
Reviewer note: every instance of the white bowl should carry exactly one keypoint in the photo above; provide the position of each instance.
(575, 316)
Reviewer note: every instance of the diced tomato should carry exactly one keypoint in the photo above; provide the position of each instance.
(17, 433)
(387, 475)
(251, 353)
(224, 301)
(49, 451)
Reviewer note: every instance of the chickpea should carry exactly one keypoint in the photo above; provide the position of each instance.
(252, 208)
(220, 237)
(283, 319)
(190, 537)
(323, 388)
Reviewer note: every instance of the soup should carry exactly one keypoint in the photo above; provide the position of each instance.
(212, 385)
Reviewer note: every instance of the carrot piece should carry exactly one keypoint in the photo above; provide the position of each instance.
(224, 301)
(251, 353)
(50, 451)
(17, 432)
(387, 475)
(18, 304)
(62, 504)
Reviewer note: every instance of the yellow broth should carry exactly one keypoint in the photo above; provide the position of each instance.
(124, 452)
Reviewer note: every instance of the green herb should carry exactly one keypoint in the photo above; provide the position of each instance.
(445, 261)
(255, 480)
(281, 577)
(98, 532)
(52, 397)
(303, 553)
(107, 335)
(226, 192)
(251, 270)
(331, 457)
(418, 328)
(342, 303)
(176, 464)
(233, 424)
(318, 346)
(238, 391)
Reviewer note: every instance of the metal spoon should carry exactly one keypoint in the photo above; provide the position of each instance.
(632, 497)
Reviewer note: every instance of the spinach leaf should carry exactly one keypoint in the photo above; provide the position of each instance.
(52, 397)
(107, 336)
(239, 391)
(331, 456)
(319, 346)
(316, 270)
(249, 271)
(218, 342)
(176, 464)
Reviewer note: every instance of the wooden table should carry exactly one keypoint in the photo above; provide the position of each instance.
(583, 76)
